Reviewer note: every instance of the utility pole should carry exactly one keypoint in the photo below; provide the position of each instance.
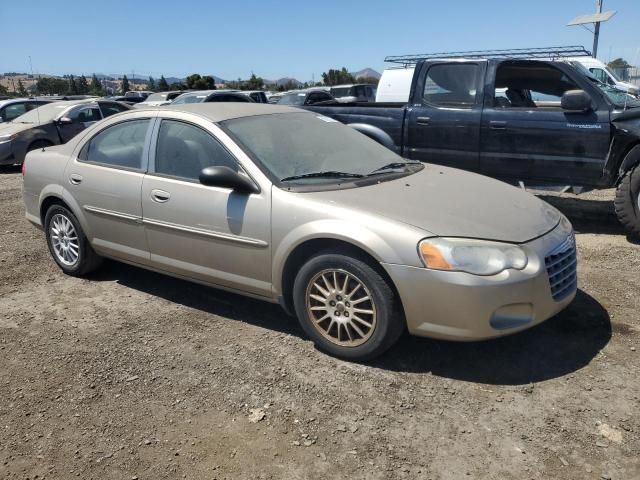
(596, 19)
(596, 31)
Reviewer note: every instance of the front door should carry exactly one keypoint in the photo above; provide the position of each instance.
(211, 234)
(105, 180)
(76, 120)
(526, 135)
(445, 127)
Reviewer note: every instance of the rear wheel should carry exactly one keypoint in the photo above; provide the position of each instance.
(346, 307)
(627, 202)
(67, 243)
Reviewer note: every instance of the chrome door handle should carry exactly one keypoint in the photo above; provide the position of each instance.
(497, 125)
(75, 179)
(423, 120)
(160, 196)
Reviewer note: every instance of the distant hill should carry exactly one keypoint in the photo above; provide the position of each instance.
(282, 81)
(366, 72)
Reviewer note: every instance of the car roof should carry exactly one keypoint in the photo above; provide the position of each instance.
(219, 112)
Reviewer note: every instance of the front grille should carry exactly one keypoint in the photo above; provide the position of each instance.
(561, 267)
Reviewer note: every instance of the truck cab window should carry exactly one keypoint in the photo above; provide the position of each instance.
(530, 85)
(451, 85)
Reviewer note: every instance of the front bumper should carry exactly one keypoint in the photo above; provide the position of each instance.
(461, 306)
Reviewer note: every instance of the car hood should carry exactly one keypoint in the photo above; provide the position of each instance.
(9, 128)
(452, 203)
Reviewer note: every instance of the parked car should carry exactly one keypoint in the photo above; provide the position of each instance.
(201, 96)
(51, 124)
(311, 96)
(13, 108)
(603, 73)
(292, 207)
(361, 92)
(539, 122)
(275, 97)
(136, 94)
(160, 98)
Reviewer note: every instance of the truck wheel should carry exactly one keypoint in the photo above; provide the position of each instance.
(627, 202)
(346, 307)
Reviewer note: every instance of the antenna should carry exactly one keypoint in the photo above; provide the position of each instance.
(37, 108)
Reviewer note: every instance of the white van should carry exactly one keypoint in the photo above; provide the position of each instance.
(395, 84)
(604, 74)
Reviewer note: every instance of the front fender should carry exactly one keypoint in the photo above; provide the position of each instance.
(333, 229)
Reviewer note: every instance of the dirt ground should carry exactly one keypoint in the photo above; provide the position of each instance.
(130, 374)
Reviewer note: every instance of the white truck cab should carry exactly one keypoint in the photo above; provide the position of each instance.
(604, 74)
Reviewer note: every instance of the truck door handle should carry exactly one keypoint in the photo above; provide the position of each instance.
(423, 120)
(75, 179)
(160, 196)
(497, 125)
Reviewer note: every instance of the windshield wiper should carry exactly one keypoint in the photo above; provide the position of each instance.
(326, 174)
(394, 165)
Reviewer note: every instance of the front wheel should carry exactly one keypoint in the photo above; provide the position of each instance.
(627, 202)
(346, 307)
(67, 243)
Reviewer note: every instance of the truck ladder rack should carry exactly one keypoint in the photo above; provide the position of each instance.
(543, 52)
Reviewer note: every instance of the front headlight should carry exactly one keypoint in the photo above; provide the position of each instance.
(7, 137)
(478, 257)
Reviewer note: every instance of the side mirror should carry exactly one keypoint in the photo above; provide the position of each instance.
(65, 121)
(576, 101)
(226, 178)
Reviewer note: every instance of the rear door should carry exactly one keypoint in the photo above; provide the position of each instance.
(443, 123)
(105, 179)
(526, 135)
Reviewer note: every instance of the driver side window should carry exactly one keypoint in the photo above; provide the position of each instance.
(85, 115)
(183, 150)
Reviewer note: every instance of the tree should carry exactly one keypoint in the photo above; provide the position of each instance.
(337, 77)
(72, 89)
(52, 86)
(96, 87)
(197, 82)
(368, 80)
(3, 90)
(618, 63)
(254, 83)
(177, 86)
(83, 85)
(125, 84)
(163, 86)
(21, 90)
(151, 85)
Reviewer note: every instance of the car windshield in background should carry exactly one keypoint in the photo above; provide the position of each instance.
(315, 147)
(190, 98)
(157, 97)
(292, 99)
(342, 92)
(43, 114)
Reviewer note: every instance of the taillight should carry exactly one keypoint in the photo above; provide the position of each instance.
(24, 166)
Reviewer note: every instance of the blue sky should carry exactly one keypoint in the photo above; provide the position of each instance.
(275, 39)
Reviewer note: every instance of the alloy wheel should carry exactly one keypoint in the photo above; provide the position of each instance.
(64, 240)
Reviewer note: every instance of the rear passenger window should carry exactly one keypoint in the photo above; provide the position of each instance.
(183, 150)
(451, 85)
(120, 145)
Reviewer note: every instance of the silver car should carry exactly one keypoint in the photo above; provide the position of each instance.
(293, 207)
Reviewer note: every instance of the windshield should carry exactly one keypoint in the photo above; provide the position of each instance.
(613, 74)
(295, 144)
(157, 97)
(190, 98)
(292, 99)
(43, 114)
(342, 92)
(618, 97)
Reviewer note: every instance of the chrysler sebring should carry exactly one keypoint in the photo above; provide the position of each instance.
(293, 207)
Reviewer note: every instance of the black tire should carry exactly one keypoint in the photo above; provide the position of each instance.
(87, 259)
(627, 201)
(388, 325)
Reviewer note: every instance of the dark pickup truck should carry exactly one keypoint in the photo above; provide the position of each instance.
(544, 123)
